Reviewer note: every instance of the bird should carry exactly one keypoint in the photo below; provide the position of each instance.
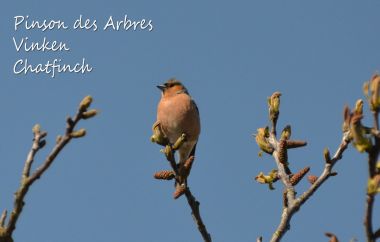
(177, 114)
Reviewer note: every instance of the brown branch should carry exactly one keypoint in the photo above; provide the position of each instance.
(294, 206)
(374, 132)
(368, 218)
(27, 180)
(376, 235)
(194, 205)
(376, 119)
(281, 169)
(179, 179)
(278, 150)
(373, 155)
(57, 148)
(36, 145)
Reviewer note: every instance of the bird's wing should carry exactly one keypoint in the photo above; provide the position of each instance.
(195, 105)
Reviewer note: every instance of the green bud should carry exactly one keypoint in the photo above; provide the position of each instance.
(78, 134)
(89, 114)
(85, 103)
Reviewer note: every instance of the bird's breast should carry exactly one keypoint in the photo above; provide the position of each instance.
(178, 115)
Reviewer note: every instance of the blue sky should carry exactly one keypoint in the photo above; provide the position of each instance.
(230, 56)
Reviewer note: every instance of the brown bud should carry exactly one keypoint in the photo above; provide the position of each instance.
(296, 178)
(179, 191)
(312, 179)
(332, 237)
(285, 198)
(290, 144)
(164, 175)
(283, 152)
(346, 118)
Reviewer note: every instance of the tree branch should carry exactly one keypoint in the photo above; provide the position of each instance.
(27, 180)
(181, 172)
(373, 155)
(289, 211)
(278, 149)
(194, 205)
(368, 218)
(377, 234)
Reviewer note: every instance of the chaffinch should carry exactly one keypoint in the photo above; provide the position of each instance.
(177, 113)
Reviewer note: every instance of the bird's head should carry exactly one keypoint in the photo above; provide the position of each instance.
(172, 87)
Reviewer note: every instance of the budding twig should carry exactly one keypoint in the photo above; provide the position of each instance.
(278, 149)
(372, 92)
(27, 179)
(181, 172)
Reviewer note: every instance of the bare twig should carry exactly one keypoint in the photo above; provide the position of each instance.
(38, 142)
(373, 155)
(368, 218)
(36, 145)
(194, 205)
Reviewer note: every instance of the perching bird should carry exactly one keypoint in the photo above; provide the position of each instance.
(177, 114)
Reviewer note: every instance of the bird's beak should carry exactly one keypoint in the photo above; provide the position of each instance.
(161, 87)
